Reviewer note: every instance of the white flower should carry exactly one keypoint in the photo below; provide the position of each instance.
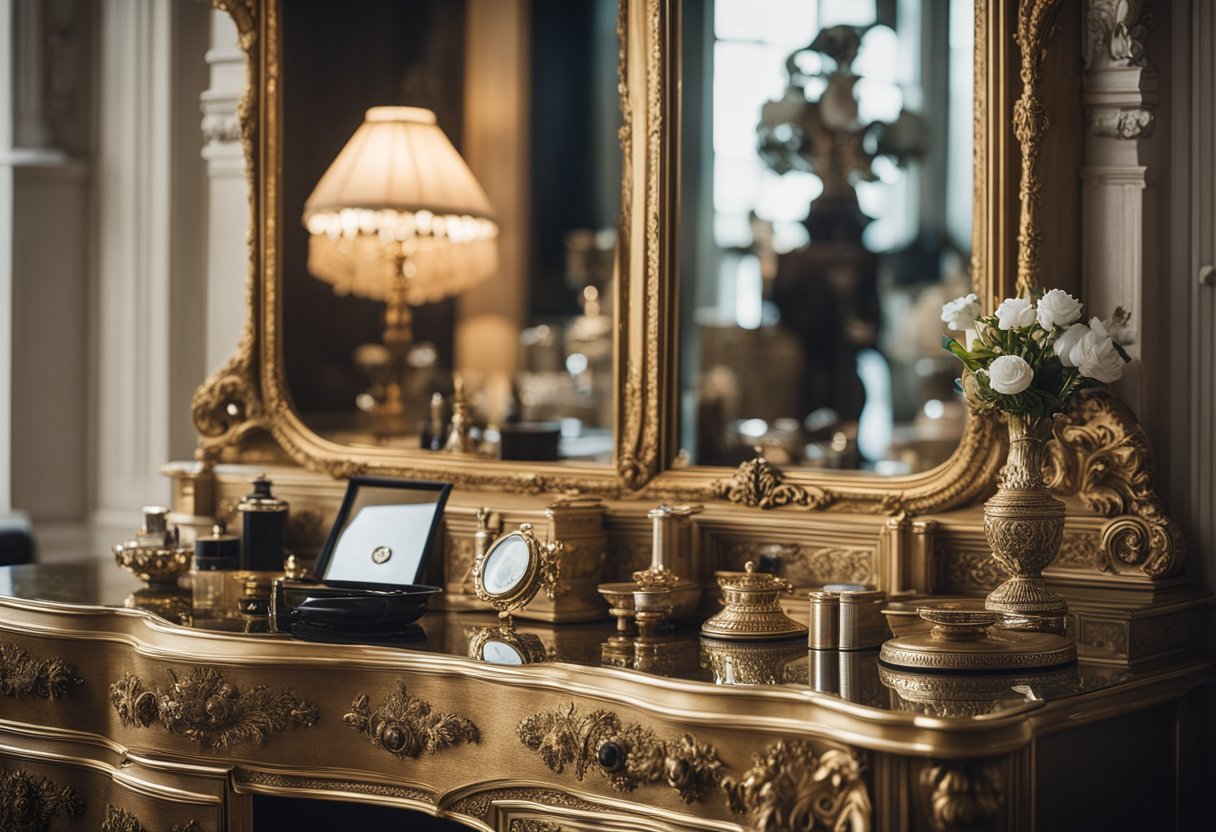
(1068, 339)
(1095, 354)
(960, 313)
(1014, 313)
(1009, 374)
(1058, 308)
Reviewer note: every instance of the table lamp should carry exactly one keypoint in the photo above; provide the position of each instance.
(398, 217)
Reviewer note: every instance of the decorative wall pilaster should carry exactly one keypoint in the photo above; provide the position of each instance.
(149, 285)
(1120, 95)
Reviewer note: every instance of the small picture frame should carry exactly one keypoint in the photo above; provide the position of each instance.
(382, 534)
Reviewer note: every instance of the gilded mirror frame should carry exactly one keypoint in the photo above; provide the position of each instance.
(973, 466)
(243, 413)
(247, 399)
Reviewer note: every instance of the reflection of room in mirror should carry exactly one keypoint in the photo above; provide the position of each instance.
(826, 216)
(506, 565)
(524, 95)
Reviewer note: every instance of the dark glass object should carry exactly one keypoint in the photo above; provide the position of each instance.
(611, 756)
(265, 521)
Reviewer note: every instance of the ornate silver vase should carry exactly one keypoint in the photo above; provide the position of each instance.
(1024, 524)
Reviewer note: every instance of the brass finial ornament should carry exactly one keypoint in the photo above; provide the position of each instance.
(655, 593)
(752, 611)
(966, 640)
(458, 437)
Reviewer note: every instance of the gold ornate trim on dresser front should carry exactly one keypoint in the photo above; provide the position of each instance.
(171, 725)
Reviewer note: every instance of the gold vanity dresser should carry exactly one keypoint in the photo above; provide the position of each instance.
(115, 718)
(122, 718)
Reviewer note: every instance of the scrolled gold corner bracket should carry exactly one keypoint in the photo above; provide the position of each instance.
(406, 726)
(1103, 456)
(209, 710)
(23, 676)
(30, 804)
(791, 787)
(627, 754)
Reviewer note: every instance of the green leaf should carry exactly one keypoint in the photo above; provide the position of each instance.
(960, 352)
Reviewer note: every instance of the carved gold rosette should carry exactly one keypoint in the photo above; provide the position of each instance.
(405, 726)
(120, 820)
(209, 710)
(963, 795)
(1024, 525)
(790, 787)
(24, 677)
(30, 804)
(628, 754)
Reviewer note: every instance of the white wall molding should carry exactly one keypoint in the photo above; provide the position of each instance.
(1120, 92)
(147, 330)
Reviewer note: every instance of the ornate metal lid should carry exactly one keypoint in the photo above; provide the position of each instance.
(965, 640)
(752, 609)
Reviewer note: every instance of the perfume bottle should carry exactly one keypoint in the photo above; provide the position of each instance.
(265, 524)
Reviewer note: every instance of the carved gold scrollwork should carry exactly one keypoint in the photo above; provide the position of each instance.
(210, 711)
(22, 676)
(30, 804)
(1102, 455)
(628, 754)
(532, 825)
(120, 820)
(1036, 24)
(758, 483)
(405, 726)
(964, 795)
(790, 787)
(228, 405)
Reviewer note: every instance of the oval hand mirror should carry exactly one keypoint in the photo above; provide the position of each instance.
(511, 572)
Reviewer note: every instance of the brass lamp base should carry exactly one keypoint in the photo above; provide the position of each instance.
(963, 640)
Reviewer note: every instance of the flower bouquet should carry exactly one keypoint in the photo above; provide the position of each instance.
(1026, 360)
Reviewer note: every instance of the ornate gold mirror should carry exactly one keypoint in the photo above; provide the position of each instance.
(446, 223)
(537, 251)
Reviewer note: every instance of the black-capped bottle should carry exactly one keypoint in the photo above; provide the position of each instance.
(262, 544)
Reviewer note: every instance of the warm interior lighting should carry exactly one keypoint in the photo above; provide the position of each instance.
(398, 217)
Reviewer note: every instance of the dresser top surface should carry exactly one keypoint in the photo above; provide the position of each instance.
(854, 681)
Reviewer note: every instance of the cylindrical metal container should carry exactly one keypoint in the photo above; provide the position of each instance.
(825, 621)
(861, 624)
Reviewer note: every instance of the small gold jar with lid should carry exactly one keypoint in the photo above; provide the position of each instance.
(752, 611)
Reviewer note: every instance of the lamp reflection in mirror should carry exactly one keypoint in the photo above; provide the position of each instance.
(398, 217)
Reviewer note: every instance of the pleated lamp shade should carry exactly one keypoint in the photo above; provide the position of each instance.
(400, 187)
